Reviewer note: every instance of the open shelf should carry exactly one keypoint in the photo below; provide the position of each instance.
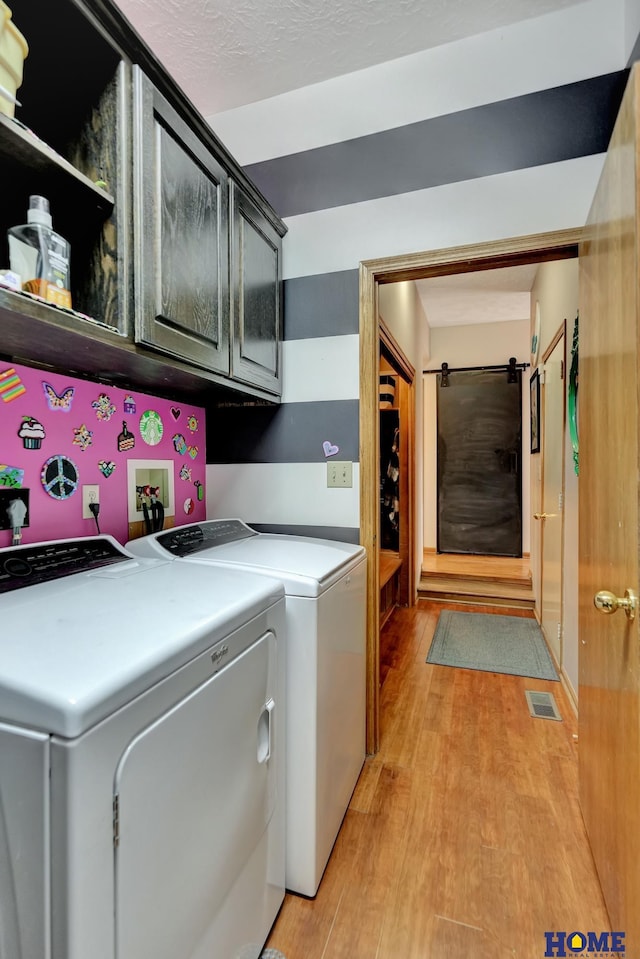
(22, 149)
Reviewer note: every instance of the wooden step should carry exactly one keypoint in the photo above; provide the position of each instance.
(476, 590)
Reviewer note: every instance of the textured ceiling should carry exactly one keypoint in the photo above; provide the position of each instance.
(490, 296)
(226, 53)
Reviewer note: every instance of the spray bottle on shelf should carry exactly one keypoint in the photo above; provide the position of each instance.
(40, 255)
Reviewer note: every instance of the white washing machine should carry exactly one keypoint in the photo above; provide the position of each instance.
(141, 756)
(325, 586)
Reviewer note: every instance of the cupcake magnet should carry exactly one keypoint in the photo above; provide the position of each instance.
(31, 432)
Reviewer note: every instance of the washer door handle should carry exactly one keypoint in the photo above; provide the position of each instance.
(264, 732)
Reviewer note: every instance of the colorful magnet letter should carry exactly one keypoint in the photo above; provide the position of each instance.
(59, 477)
(82, 437)
(179, 443)
(126, 440)
(11, 386)
(330, 449)
(11, 477)
(31, 433)
(60, 402)
(151, 428)
(104, 407)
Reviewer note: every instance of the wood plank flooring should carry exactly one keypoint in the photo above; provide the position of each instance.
(463, 839)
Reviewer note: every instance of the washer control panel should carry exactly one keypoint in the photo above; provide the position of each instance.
(200, 536)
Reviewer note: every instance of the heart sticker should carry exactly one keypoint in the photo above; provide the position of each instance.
(106, 467)
(175, 412)
(330, 449)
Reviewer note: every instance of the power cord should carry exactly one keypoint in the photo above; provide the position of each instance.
(95, 509)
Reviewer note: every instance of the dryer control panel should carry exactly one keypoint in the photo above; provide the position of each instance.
(42, 562)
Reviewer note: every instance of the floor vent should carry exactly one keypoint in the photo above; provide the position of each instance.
(542, 705)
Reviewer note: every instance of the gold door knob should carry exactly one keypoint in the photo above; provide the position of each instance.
(543, 515)
(608, 602)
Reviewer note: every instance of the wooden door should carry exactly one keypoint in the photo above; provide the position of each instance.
(551, 514)
(480, 463)
(609, 714)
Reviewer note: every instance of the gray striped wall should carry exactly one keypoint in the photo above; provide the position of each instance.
(549, 126)
(510, 166)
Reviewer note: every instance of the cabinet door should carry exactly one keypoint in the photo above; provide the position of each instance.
(181, 236)
(256, 303)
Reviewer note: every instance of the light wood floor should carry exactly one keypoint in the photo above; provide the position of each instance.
(463, 839)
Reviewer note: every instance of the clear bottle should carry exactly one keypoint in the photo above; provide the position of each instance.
(40, 255)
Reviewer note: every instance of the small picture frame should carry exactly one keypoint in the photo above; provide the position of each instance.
(534, 386)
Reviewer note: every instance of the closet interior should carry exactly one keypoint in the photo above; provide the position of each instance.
(396, 438)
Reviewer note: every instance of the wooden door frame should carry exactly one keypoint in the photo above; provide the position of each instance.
(513, 251)
(560, 333)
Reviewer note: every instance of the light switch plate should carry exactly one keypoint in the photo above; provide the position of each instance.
(339, 474)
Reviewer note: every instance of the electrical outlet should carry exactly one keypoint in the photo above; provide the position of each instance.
(339, 474)
(7, 496)
(90, 494)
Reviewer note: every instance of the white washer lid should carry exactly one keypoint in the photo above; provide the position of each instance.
(76, 648)
(306, 566)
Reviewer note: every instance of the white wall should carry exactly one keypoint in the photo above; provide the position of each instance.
(483, 344)
(556, 290)
(631, 24)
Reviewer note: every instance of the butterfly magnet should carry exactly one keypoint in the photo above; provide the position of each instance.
(59, 402)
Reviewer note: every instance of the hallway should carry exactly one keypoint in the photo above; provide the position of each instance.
(464, 838)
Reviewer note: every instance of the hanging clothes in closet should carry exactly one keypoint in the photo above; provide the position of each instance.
(389, 480)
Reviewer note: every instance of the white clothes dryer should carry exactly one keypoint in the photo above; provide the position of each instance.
(325, 586)
(141, 756)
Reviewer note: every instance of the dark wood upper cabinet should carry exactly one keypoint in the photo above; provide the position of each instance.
(256, 261)
(171, 290)
(181, 228)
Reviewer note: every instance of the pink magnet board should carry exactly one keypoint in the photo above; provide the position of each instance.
(61, 438)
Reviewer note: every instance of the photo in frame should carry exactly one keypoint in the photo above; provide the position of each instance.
(534, 385)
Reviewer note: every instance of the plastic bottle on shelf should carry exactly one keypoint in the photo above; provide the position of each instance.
(40, 255)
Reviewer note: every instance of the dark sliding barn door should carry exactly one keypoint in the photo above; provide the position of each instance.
(479, 464)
